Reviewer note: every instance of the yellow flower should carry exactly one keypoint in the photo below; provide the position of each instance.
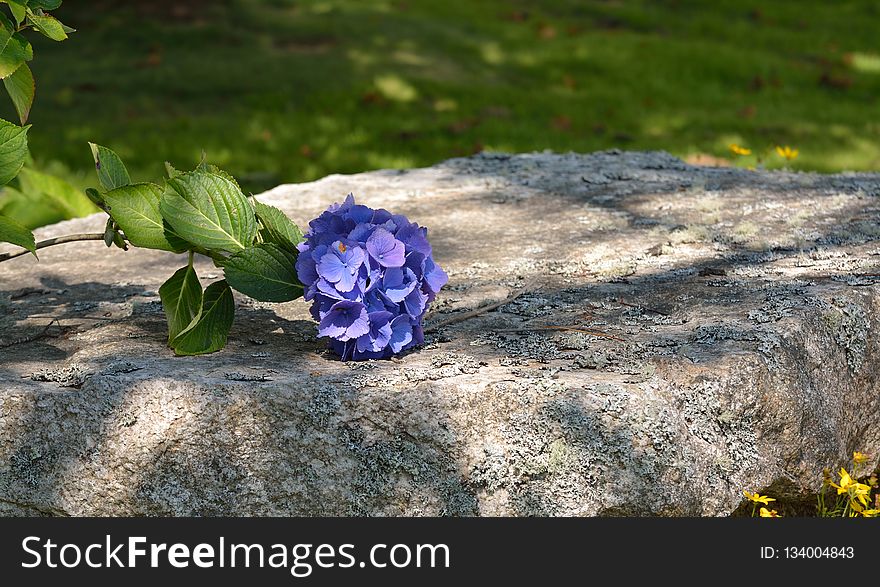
(859, 458)
(858, 492)
(787, 152)
(737, 150)
(765, 513)
(845, 482)
(871, 513)
(861, 492)
(758, 498)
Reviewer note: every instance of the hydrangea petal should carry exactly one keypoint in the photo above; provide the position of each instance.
(361, 232)
(381, 216)
(360, 214)
(340, 265)
(398, 283)
(306, 269)
(331, 268)
(380, 333)
(415, 303)
(345, 320)
(401, 333)
(414, 238)
(435, 277)
(418, 335)
(385, 249)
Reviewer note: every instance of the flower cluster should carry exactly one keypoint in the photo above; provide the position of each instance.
(857, 493)
(853, 495)
(370, 276)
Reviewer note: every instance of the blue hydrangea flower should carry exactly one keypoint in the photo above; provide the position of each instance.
(370, 277)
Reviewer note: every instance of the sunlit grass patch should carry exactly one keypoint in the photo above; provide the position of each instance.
(278, 91)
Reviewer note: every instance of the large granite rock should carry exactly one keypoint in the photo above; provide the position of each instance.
(739, 352)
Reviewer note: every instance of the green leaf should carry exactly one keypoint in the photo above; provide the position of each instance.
(209, 211)
(14, 49)
(71, 201)
(44, 4)
(95, 196)
(111, 170)
(29, 211)
(6, 30)
(13, 150)
(171, 171)
(109, 230)
(135, 208)
(264, 272)
(48, 25)
(208, 332)
(181, 299)
(20, 87)
(207, 167)
(18, 9)
(13, 232)
(112, 236)
(177, 243)
(277, 227)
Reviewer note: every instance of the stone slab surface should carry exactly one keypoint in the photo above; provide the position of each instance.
(688, 333)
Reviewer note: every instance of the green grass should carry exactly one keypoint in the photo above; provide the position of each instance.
(291, 90)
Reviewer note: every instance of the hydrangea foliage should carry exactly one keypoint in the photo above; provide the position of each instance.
(370, 276)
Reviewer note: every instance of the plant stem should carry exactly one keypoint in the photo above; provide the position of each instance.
(59, 240)
(434, 327)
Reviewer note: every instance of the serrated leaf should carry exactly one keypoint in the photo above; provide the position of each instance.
(7, 29)
(277, 227)
(13, 150)
(209, 211)
(18, 9)
(14, 48)
(171, 171)
(181, 299)
(20, 87)
(13, 232)
(208, 332)
(209, 168)
(66, 197)
(111, 170)
(135, 208)
(13, 52)
(264, 272)
(50, 26)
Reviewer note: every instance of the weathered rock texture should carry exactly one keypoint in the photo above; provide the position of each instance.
(740, 352)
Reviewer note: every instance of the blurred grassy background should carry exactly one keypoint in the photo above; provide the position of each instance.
(290, 90)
